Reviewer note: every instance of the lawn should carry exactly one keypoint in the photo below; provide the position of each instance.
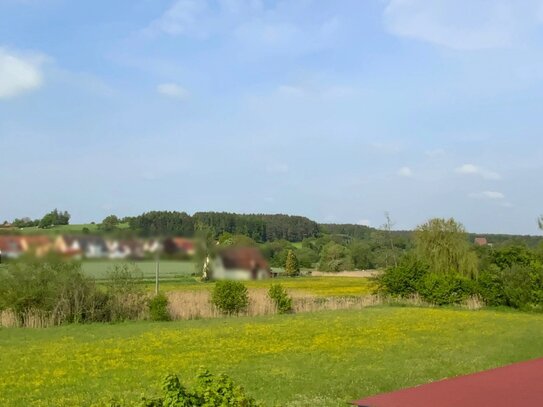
(318, 359)
(169, 269)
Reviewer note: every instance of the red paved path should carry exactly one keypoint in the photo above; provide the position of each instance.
(520, 384)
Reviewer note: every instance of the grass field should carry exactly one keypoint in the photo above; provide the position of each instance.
(60, 229)
(169, 269)
(318, 359)
(320, 286)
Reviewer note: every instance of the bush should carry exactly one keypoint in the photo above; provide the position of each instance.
(58, 292)
(404, 279)
(209, 391)
(445, 289)
(158, 308)
(230, 297)
(281, 298)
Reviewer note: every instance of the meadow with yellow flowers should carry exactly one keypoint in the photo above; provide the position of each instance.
(321, 358)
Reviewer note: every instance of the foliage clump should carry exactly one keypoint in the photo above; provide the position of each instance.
(280, 297)
(158, 308)
(209, 391)
(335, 257)
(230, 297)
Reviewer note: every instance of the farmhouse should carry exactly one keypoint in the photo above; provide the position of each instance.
(238, 263)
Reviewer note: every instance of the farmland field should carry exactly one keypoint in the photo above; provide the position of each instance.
(168, 268)
(321, 359)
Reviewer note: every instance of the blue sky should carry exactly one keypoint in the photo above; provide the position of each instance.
(338, 111)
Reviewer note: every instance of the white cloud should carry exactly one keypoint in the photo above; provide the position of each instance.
(182, 18)
(463, 24)
(173, 90)
(471, 169)
(405, 172)
(494, 195)
(18, 74)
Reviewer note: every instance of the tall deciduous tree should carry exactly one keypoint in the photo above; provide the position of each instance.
(443, 245)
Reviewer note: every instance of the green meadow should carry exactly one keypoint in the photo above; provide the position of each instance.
(319, 359)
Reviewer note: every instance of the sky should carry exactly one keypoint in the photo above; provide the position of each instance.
(335, 110)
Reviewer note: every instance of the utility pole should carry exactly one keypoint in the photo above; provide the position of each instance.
(157, 273)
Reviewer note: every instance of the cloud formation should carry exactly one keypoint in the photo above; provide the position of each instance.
(471, 169)
(405, 172)
(173, 90)
(18, 74)
(494, 195)
(463, 24)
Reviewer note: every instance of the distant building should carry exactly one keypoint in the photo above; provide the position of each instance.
(10, 247)
(480, 241)
(238, 263)
(124, 249)
(36, 245)
(81, 246)
(179, 245)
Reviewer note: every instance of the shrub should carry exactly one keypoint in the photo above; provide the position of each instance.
(281, 298)
(445, 289)
(209, 391)
(292, 268)
(230, 297)
(404, 279)
(158, 308)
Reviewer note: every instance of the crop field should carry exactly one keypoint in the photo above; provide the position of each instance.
(169, 269)
(318, 359)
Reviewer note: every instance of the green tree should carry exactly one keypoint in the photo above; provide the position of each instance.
(110, 223)
(53, 218)
(230, 297)
(292, 267)
(443, 245)
(335, 257)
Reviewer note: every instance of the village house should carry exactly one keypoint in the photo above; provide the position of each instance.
(480, 241)
(124, 249)
(10, 247)
(238, 263)
(81, 246)
(179, 245)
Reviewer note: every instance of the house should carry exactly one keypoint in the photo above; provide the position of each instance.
(179, 245)
(10, 247)
(81, 246)
(480, 241)
(238, 263)
(152, 246)
(36, 245)
(123, 249)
